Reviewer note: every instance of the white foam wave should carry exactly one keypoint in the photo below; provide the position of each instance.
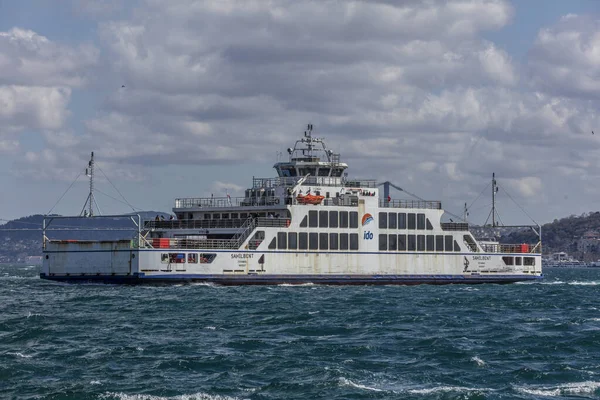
(348, 382)
(584, 283)
(195, 396)
(444, 389)
(139, 348)
(211, 328)
(296, 284)
(561, 390)
(478, 360)
(30, 314)
(20, 355)
(313, 312)
(95, 383)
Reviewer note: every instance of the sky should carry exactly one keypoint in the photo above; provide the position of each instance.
(195, 98)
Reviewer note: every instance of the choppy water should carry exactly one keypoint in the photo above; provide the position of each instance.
(520, 341)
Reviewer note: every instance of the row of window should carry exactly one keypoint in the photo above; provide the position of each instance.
(394, 220)
(527, 261)
(314, 241)
(330, 219)
(192, 258)
(436, 243)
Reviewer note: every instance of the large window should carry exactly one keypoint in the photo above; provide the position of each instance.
(421, 221)
(323, 241)
(448, 242)
(343, 241)
(439, 242)
(354, 220)
(292, 240)
(412, 243)
(382, 220)
(383, 242)
(401, 242)
(420, 242)
(343, 219)
(323, 219)
(412, 223)
(304, 222)
(313, 241)
(333, 219)
(192, 258)
(354, 241)
(429, 246)
(313, 219)
(281, 240)
(392, 221)
(302, 241)
(333, 241)
(392, 242)
(401, 220)
(529, 261)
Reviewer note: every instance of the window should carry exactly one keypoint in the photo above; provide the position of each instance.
(529, 261)
(412, 221)
(382, 242)
(392, 242)
(421, 221)
(354, 221)
(303, 223)
(206, 216)
(456, 246)
(323, 219)
(343, 241)
(207, 258)
(448, 242)
(439, 242)
(412, 242)
(343, 219)
(401, 220)
(225, 216)
(333, 241)
(333, 219)
(177, 258)
(216, 216)
(192, 258)
(392, 221)
(401, 242)
(244, 215)
(429, 246)
(353, 239)
(302, 241)
(281, 240)
(420, 242)
(292, 240)
(272, 245)
(323, 241)
(313, 219)
(382, 220)
(313, 241)
(517, 260)
(234, 215)
(508, 260)
(429, 226)
(164, 258)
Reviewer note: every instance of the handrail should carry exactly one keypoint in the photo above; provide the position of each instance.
(235, 223)
(455, 226)
(511, 248)
(433, 205)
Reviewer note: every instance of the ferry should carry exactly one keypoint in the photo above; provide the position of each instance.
(310, 224)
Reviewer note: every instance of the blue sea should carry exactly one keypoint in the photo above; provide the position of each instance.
(519, 341)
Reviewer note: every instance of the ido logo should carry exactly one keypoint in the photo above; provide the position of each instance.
(368, 235)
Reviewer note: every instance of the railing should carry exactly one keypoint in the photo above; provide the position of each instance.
(511, 248)
(434, 205)
(234, 223)
(455, 226)
(225, 202)
(259, 183)
(220, 244)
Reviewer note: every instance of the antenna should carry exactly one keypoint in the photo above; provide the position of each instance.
(89, 202)
(494, 190)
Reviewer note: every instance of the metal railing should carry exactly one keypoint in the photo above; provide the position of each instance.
(290, 181)
(455, 226)
(511, 248)
(234, 223)
(433, 205)
(225, 202)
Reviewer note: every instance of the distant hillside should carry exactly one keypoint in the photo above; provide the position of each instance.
(22, 237)
(561, 234)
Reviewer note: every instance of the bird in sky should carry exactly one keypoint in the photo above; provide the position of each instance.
(592, 132)
(122, 86)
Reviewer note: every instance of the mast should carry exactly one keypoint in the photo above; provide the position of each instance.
(89, 202)
(494, 190)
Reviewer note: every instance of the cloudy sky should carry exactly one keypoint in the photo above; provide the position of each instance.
(187, 98)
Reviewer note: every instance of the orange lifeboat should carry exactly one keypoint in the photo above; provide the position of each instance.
(309, 199)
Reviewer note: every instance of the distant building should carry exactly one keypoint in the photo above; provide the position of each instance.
(590, 242)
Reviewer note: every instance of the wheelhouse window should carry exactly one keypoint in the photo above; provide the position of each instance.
(323, 219)
(412, 221)
(313, 219)
(333, 219)
(392, 221)
(421, 221)
(354, 221)
(401, 220)
(343, 219)
(382, 220)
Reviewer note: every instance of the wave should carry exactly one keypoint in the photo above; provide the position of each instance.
(195, 396)
(574, 388)
(445, 389)
(478, 360)
(20, 355)
(348, 382)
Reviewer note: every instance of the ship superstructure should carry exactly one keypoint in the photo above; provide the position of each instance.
(309, 224)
